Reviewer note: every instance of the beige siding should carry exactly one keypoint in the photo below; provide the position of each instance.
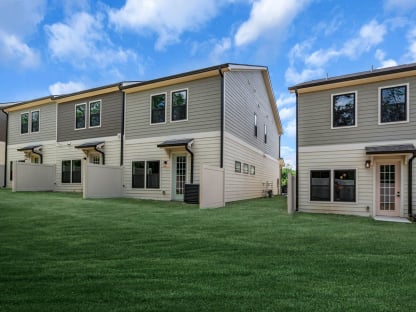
(206, 149)
(47, 125)
(246, 94)
(315, 116)
(204, 110)
(348, 156)
(240, 186)
(3, 119)
(2, 150)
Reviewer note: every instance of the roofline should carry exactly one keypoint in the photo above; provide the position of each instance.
(355, 76)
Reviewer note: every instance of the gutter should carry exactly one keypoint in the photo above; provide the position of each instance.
(297, 152)
(192, 162)
(222, 119)
(409, 191)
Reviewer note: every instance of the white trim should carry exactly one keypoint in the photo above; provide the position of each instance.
(31, 120)
(407, 104)
(166, 108)
(28, 123)
(85, 115)
(145, 175)
(355, 110)
(187, 104)
(89, 113)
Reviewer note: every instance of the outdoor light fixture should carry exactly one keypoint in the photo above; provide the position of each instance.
(368, 164)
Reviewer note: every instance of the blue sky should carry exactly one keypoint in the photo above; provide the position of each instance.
(60, 46)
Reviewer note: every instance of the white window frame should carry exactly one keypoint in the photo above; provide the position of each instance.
(187, 104)
(31, 112)
(355, 110)
(93, 156)
(145, 175)
(407, 104)
(28, 123)
(89, 113)
(166, 108)
(86, 116)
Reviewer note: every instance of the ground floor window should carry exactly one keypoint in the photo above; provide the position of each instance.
(71, 171)
(344, 185)
(146, 173)
(95, 159)
(11, 171)
(320, 185)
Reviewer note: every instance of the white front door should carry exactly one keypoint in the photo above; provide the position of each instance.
(388, 188)
(178, 176)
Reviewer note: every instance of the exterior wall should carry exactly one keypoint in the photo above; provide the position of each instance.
(204, 110)
(2, 126)
(2, 151)
(67, 151)
(315, 116)
(240, 186)
(245, 94)
(346, 156)
(48, 152)
(47, 126)
(206, 149)
(111, 118)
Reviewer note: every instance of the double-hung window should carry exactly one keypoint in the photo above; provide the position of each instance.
(71, 171)
(24, 123)
(80, 116)
(344, 185)
(344, 110)
(320, 185)
(265, 133)
(343, 181)
(158, 108)
(255, 125)
(34, 121)
(146, 173)
(393, 104)
(95, 114)
(179, 105)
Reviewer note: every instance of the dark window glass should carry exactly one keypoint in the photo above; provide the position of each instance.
(158, 108)
(343, 110)
(237, 166)
(344, 185)
(24, 123)
(252, 170)
(265, 134)
(179, 105)
(393, 106)
(320, 185)
(153, 174)
(80, 116)
(11, 171)
(35, 121)
(76, 171)
(255, 124)
(95, 114)
(66, 171)
(245, 168)
(138, 174)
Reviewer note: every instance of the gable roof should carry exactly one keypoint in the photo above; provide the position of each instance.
(373, 75)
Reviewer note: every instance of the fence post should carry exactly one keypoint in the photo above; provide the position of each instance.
(291, 193)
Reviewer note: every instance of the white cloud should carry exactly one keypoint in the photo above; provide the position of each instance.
(293, 76)
(287, 113)
(411, 50)
(289, 155)
(401, 5)
(268, 16)
(380, 55)
(290, 128)
(60, 88)
(285, 99)
(82, 41)
(220, 49)
(168, 19)
(13, 49)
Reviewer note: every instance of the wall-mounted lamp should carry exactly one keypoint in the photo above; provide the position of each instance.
(368, 164)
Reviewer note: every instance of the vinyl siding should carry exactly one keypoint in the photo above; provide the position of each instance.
(246, 94)
(2, 150)
(2, 126)
(111, 117)
(66, 151)
(315, 116)
(47, 126)
(206, 149)
(204, 110)
(240, 186)
(348, 156)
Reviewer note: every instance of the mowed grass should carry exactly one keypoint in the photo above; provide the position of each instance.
(61, 253)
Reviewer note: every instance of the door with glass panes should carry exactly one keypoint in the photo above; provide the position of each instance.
(388, 187)
(178, 176)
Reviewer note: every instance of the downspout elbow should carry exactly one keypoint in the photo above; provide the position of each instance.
(101, 152)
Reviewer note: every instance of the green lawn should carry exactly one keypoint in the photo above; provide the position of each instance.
(61, 253)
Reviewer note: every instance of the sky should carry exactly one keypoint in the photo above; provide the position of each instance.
(61, 46)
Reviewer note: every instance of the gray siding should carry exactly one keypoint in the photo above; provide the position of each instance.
(204, 110)
(47, 125)
(2, 126)
(315, 117)
(246, 94)
(111, 115)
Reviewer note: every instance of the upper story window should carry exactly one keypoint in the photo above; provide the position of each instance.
(158, 108)
(35, 121)
(24, 123)
(265, 133)
(344, 110)
(80, 113)
(393, 104)
(255, 125)
(95, 114)
(179, 105)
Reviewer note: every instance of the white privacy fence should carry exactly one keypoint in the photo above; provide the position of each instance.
(102, 181)
(33, 177)
(211, 192)
(291, 193)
